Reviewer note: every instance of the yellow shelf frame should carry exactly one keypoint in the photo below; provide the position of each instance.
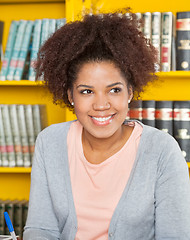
(15, 170)
(165, 75)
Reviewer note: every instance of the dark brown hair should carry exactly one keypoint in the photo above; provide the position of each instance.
(111, 37)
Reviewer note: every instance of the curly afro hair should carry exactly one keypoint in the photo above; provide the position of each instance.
(111, 37)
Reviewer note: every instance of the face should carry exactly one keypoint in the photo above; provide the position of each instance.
(100, 97)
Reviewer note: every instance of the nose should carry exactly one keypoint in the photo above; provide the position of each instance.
(101, 103)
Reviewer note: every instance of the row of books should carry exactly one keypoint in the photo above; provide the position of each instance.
(24, 40)
(17, 210)
(170, 35)
(19, 127)
(172, 117)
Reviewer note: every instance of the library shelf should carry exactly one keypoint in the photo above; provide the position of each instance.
(15, 169)
(174, 74)
(21, 83)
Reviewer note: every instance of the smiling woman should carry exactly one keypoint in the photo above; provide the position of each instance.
(101, 176)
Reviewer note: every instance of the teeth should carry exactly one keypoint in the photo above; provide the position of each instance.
(102, 119)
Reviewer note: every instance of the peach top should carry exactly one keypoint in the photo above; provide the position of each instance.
(97, 188)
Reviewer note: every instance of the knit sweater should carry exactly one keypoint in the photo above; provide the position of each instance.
(155, 204)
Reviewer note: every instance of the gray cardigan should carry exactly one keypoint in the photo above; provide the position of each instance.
(155, 203)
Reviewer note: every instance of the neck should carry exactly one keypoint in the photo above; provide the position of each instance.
(110, 144)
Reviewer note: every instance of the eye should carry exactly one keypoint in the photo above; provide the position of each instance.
(115, 90)
(86, 91)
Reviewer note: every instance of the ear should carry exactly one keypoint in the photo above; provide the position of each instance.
(70, 95)
(130, 91)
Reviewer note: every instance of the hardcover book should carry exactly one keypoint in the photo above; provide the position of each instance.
(164, 116)
(16, 49)
(3, 149)
(8, 50)
(182, 126)
(148, 112)
(135, 110)
(8, 135)
(24, 135)
(35, 48)
(16, 135)
(23, 51)
(156, 35)
(183, 41)
(166, 40)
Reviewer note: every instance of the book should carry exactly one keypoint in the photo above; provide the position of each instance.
(8, 135)
(182, 126)
(166, 40)
(52, 27)
(148, 112)
(35, 47)
(44, 31)
(135, 110)
(146, 18)
(156, 35)
(39, 118)
(1, 38)
(24, 213)
(183, 41)
(16, 135)
(60, 22)
(23, 51)
(8, 50)
(24, 135)
(16, 49)
(3, 149)
(164, 116)
(30, 129)
(2, 221)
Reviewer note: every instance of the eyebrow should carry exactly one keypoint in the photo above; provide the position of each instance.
(111, 85)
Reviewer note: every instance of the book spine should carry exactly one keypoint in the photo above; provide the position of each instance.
(35, 48)
(135, 111)
(24, 136)
(60, 22)
(44, 31)
(9, 207)
(8, 136)
(146, 17)
(18, 218)
(39, 118)
(24, 213)
(182, 126)
(8, 51)
(30, 129)
(183, 41)
(148, 112)
(166, 41)
(16, 135)
(52, 27)
(164, 116)
(3, 149)
(23, 51)
(139, 19)
(156, 35)
(16, 49)
(2, 221)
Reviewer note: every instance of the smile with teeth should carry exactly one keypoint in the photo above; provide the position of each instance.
(102, 119)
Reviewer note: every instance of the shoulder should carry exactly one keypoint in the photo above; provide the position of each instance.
(157, 139)
(55, 131)
(163, 148)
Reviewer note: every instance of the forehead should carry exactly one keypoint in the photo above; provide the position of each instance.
(99, 72)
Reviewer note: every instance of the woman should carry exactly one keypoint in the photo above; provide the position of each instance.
(102, 177)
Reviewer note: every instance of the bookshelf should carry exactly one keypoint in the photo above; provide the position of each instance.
(15, 182)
